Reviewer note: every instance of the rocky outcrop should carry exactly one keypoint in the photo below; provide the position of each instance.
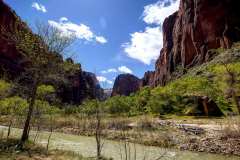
(10, 58)
(71, 89)
(198, 26)
(204, 106)
(125, 84)
(148, 79)
(82, 85)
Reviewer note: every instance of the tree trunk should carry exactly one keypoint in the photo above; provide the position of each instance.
(237, 101)
(98, 133)
(25, 133)
(9, 128)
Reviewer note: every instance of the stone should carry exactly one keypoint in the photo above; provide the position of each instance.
(188, 34)
(125, 84)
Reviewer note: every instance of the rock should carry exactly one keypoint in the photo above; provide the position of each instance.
(148, 79)
(198, 26)
(208, 107)
(125, 84)
(10, 58)
(191, 129)
(77, 87)
(204, 107)
(81, 86)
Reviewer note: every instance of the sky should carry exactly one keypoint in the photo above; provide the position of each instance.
(113, 36)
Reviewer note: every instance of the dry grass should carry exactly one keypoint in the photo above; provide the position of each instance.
(231, 128)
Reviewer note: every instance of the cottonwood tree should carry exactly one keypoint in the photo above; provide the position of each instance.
(232, 79)
(42, 58)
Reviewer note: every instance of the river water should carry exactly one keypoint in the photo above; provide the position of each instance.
(86, 146)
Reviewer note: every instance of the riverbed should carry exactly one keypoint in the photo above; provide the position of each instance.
(86, 146)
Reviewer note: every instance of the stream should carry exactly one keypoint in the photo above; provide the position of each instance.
(86, 146)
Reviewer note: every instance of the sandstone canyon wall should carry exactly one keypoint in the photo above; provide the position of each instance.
(125, 84)
(188, 35)
(80, 86)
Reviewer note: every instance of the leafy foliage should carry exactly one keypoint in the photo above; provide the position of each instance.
(13, 105)
(179, 96)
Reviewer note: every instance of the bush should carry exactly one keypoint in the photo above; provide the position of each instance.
(13, 105)
(119, 104)
(71, 109)
(43, 107)
(88, 107)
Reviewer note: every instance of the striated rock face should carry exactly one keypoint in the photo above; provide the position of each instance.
(148, 79)
(83, 85)
(198, 26)
(125, 84)
(76, 88)
(10, 59)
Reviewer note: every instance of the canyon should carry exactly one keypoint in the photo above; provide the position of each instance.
(79, 86)
(190, 34)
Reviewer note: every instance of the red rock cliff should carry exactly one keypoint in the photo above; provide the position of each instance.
(198, 26)
(80, 86)
(10, 58)
(125, 84)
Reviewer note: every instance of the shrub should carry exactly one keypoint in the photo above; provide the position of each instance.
(119, 104)
(88, 107)
(13, 105)
(44, 107)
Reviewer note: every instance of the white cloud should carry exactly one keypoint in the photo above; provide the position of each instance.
(156, 13)
(145, 46)
(81, 31)
(39, 7)
(111, 70)
(125, 69)
(101, 39)
(102, 79)
(62, 19)
(121, 69)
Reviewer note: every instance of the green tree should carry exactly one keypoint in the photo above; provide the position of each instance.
(43, 55)
(14, 107)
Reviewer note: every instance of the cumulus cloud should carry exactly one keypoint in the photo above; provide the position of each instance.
(62, 19)
(121, 69)
(81, 31)
(145, 45)
(39, 7)
(156, 13)
(124, 69)
(101, 39)
(102, 79)
(111, 70)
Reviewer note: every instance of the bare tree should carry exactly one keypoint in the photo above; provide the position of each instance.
(128, 150)
(42, 54)
(98, 130)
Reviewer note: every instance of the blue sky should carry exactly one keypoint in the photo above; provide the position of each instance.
(114, 36)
